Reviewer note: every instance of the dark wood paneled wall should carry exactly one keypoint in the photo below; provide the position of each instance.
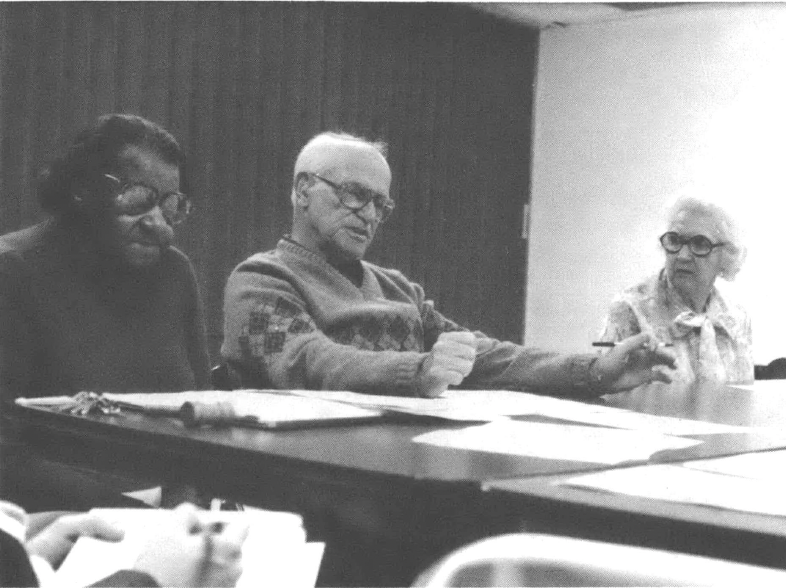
(244, 85)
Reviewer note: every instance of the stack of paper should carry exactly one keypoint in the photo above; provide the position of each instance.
(765, 466)
(274, 554)
(491, 405)
(680, 484)
(562, 442)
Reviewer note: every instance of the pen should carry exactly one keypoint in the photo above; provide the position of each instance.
(613, 344)
(207, 553)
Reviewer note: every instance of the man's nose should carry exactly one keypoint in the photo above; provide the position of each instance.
(368, 212)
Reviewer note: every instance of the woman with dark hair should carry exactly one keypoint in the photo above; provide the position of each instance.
(96, 297)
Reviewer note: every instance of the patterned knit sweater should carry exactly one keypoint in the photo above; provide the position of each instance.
(292, 318)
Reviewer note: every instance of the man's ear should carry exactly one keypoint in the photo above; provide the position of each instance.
(302, 182)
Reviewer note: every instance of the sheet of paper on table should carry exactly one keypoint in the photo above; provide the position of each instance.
(489, 405)
(761, 465)
(274, 554)
(459, 405)
(768, 386)
(674, 483)
(556, 441)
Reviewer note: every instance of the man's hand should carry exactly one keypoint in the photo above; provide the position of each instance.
(632, 362)
(180, 552)
(56, 540)
(450, 361)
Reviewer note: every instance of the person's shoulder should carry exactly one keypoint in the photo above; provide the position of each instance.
(729, 301)
(263, 269)
(175, 257)
(24, 240)
(386, 272)
(175, 264)
(642, 289)
(261, 263)
(20, 249)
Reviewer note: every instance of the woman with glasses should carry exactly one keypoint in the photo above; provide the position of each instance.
(681, 304)
(96, 297)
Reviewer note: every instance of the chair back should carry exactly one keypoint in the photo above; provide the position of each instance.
(544, 560)
(230, 376)
(775, 370)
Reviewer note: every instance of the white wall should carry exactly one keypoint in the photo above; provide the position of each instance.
(626, 113)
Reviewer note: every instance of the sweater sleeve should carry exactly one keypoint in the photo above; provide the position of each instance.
(270, 332)
(503, 365)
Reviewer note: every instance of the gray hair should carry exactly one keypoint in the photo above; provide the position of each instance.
(728, 229)
(311, 151)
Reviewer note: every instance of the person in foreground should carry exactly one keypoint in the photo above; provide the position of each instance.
(680, 304)
(177, 553)
(96, 297)
(312, 314)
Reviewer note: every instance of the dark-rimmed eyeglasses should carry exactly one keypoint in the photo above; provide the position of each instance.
(135, 198)
(357, 197)
(699, 245)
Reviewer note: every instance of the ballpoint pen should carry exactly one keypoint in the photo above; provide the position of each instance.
(614, 344)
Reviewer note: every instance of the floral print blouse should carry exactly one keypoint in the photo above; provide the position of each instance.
(714, 345)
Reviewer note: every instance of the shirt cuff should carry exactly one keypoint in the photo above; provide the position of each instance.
(585, 385)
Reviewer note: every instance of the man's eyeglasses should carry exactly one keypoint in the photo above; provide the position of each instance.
(357, 197)
(134, 199)
(699, 245)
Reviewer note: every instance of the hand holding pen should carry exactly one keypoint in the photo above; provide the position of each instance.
(187, 552)
(637, 360)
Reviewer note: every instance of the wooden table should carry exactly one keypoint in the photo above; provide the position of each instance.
(389, 505)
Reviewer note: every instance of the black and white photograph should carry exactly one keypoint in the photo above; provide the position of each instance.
(434, 294)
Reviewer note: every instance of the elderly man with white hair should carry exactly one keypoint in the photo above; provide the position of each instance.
(312, 314)
(711, 333)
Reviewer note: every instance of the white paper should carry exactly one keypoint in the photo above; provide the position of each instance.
(765, 386)
(265, 406)
(767, 466)
(490, 405)
(463, 405)
(552, 441)
(625, 419)
(473, 407)
(275, 552)
(679, 484)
